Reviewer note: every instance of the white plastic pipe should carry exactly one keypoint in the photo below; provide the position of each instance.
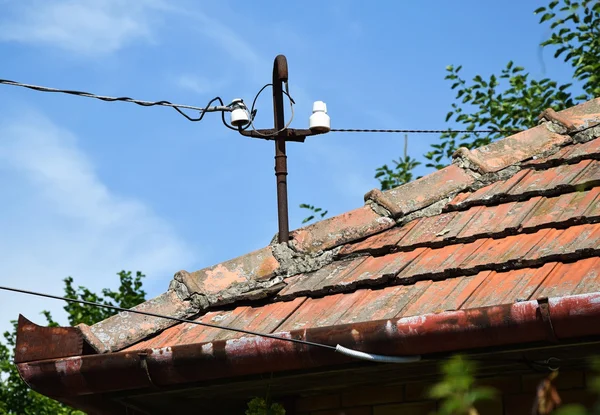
(376, 357)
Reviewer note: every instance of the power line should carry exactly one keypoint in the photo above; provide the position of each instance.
(180, 320)
(357, 130)
(222, 108)
(338, 348)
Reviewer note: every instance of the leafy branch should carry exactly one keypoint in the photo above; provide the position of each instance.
(457, 391)
(15, 396)
(400, 174)
(316, 212)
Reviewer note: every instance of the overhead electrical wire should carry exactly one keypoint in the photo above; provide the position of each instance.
(150, 314)
(222, 108)
(226, 108)
(358, 130)
(338, 348)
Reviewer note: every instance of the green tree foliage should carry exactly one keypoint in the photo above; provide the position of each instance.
(457, 391)
(400, 174)
(15, 396)
(397, 175)
(576, 38)
(512, 99)
(129, 294)
(506, 103)
(314, 212)
(261, 406)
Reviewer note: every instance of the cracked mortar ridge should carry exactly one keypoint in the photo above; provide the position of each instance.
(293, 262)
(197, 301)
(586, 135)
(237, 291)
(290, 262)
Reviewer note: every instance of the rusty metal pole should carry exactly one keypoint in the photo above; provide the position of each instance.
(280, 134)
(280, 75)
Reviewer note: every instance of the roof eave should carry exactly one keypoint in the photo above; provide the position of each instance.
(529, 322)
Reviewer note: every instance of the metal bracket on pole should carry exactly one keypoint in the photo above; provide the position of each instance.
(280, 135)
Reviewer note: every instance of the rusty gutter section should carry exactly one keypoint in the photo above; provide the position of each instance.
(520, 323)
(38, 343)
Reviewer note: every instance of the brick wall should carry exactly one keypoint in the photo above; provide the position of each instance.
(517, 396)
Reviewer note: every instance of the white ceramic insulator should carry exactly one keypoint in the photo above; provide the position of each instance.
(319, 120)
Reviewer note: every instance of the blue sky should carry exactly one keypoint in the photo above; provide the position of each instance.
(90, 188)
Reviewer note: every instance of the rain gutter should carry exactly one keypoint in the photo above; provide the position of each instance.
(540, 321)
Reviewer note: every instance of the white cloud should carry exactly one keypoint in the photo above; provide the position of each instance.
(230, 41)
(198, 84)
(87, 27)
(100, 27)
(58, 219)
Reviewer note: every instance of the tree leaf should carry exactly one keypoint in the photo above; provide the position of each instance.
(546, 17)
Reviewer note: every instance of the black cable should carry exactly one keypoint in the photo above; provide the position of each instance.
(222, 108)
(543, 364)
(253, 111)
(180, 320)
(356, 130)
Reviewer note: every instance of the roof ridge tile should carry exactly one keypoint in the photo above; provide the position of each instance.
(556, 129)
(251, 276)
(511, 150)
(124, 329)
(579, 121)
(339, 230)
(410, 197)
(572, 154)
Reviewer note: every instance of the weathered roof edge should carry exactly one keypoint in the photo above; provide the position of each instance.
(535, 322)
(262, 272)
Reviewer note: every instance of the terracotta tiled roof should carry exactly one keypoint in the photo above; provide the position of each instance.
(513, 221)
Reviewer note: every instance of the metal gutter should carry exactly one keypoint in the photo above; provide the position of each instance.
(534, 322)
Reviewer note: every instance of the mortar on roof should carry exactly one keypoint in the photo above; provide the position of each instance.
(431, 210)
(250, 289)
(587, 135)
(489, 178)
(377, 208)
(293, 262)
